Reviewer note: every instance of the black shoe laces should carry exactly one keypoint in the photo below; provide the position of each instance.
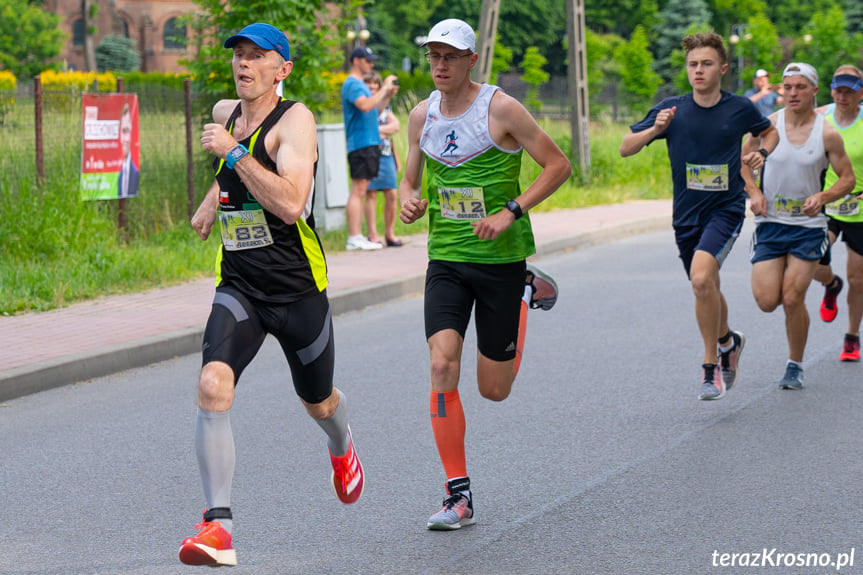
(453, 500)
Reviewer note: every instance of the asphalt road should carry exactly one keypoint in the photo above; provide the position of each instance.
(601, 462)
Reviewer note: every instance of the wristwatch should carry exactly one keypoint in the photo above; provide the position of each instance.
(513, 206)
(235, 155)
(763, 152)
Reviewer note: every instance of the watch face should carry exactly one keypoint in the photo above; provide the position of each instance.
(238, 153)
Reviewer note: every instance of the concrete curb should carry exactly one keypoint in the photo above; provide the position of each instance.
(42, 376)
(45, 375)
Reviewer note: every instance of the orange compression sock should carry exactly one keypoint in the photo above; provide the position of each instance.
(448, 426)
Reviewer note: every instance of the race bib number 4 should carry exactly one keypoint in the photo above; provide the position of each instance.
(244, 230)
(461, 203)
(710, 178)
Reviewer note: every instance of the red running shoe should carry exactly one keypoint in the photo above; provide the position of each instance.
(211, 546)
(829, 309)
(348, 478)
(851, 348)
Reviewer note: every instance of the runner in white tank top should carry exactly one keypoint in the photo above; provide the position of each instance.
(791, 233)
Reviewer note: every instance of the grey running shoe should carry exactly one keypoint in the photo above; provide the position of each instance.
(728, 360)
(543, 286)
(793, 377)
(711, 382)
(457, 512)
(457, 509)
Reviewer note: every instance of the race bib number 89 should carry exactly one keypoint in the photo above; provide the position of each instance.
(847, 206)
(244, 230)
(710, 178)
(461, 203)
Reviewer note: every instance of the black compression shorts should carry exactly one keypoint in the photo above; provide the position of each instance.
(237, 327)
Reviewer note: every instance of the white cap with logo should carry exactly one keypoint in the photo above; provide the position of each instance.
(453, 32)
(801, 69)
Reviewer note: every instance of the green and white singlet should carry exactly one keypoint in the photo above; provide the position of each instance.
(470, 177)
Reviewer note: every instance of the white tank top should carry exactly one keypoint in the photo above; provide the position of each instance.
(454, 141)
(792, 174)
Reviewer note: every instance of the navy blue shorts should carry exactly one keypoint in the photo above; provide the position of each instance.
(772, 240)
(715, 236)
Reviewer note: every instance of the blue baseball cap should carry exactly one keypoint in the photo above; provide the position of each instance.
(263, 35)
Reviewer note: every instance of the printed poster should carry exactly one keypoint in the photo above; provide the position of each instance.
(110, 157)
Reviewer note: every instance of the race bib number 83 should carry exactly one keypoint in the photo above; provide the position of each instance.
(244, 230)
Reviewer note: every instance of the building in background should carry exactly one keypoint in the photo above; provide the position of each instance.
(156, 26)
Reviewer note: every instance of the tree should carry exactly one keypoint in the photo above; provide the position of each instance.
(534, 75)
(638, 81)
(829, 47)
(315, 48)
(394, 26)
(760, 47)
(854, 16)
(620, 17)
(30, 38)
(790, 16)
(117, 53)
(603, 68)
(539, 23)
(501, 60)
(727, 13)
(676, 20)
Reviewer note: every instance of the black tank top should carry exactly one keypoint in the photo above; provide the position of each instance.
(293, 267)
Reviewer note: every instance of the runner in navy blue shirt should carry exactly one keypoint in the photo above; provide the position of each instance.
(704, 131)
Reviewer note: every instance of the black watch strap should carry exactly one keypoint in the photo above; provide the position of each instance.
(513, 206)
(763, 152)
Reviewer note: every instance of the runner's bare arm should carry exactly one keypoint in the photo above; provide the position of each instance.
(633, 142)
(410, 188)
(512, 126)
(205, 216)
(841, 164)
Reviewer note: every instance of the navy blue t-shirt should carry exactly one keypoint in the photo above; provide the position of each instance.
(704, 150)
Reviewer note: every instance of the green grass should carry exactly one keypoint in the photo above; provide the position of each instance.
(55, 249)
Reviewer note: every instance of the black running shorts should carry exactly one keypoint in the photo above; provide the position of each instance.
(452, 289)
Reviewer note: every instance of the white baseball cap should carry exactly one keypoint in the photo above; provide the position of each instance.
(453, 32)
(801, 69)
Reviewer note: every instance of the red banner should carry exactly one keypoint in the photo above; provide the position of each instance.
(110, 158)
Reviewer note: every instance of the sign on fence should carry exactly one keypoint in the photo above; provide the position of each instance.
(110, 156)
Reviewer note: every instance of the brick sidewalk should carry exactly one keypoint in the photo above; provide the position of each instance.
(106, 335)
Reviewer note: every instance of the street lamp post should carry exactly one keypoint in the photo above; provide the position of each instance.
(737, 32)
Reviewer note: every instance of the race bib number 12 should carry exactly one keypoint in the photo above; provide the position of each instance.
(461, 203)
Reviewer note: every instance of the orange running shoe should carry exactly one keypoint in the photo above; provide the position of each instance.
(348, 478)
(211, 546)
(851, 348)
